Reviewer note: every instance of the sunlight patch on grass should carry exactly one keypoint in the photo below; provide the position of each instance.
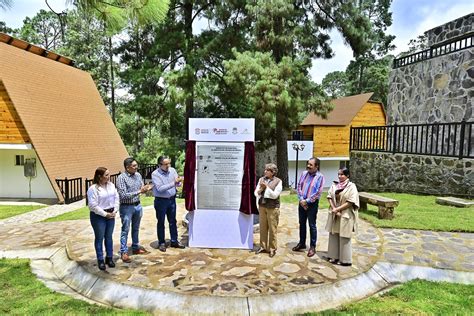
(7, 211)
(416, 297)
(23, 294)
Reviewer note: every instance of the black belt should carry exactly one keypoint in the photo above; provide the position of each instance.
(109, 210)
(135, 204)
(163, 198)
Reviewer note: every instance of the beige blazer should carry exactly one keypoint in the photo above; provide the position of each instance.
(346, 224)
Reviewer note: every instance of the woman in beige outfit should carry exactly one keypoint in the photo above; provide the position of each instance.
(342, 218)
(268, 194)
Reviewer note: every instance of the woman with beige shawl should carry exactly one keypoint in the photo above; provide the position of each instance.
(342, 218)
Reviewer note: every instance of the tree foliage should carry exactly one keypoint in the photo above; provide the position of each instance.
(217, 59)
(5, 4)
(117, 14)
(270, 87)
(335, 84)
(44, 30)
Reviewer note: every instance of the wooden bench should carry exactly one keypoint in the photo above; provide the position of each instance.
(386, 205)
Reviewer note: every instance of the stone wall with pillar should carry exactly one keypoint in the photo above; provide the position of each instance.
(386, 172)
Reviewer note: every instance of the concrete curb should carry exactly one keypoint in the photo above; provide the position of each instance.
(93, 288)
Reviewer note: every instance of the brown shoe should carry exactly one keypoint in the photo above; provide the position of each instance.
(299, 247)
(272, 253)
(140, 251)
(125, 258)
(311, 251)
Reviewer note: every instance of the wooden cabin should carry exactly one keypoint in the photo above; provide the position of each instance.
(52, 119)
(331, 135)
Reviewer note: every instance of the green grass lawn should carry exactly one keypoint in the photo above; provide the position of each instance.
(421, 212)
(83, 213)
(23, 294)
(13, 210)
(415, 298)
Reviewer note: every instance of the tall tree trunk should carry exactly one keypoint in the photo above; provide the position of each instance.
(281, 148)
(281, 132)
(361, 75)
(188, 57)
(112, 86)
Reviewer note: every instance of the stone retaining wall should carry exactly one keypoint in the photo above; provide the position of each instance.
(450, 30)
(403, 173)
(438, 90)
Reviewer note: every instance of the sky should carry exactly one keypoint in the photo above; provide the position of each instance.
(410, 19)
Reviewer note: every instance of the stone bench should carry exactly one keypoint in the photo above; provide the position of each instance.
(386, 205)
(453, 201)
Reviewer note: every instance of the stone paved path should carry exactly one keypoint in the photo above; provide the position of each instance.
(42, 213)
(240, 273)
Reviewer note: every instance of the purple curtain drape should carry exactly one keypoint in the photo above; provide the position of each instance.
(189, 173)
(248, 203)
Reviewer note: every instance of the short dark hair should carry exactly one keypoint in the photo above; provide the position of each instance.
(316, 161)
(128, 161)
(161, 158)
(345, 171)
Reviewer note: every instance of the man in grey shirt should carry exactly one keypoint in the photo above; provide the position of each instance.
(165, 180)
(129, 187)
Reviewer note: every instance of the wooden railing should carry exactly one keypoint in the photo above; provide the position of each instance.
(439, 139)
(71, 189)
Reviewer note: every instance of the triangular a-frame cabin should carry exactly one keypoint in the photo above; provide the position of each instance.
(331, 135)
(51, 112)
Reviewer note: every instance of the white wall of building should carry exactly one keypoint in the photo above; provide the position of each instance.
(303, 156)
(329, 169)
(329, 165)
(13, 183)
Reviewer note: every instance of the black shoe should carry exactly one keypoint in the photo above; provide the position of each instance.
(299, 247)
(101, 265)
(260, 250)
(162, 247)
(345, 264)
(177, 245)
(110, 262)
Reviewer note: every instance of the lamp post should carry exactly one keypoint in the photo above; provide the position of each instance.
(297, 148)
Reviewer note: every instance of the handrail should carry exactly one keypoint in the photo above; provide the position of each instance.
(450, 46)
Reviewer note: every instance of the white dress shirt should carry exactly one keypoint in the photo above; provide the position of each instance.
(269, 193)
(103, 197)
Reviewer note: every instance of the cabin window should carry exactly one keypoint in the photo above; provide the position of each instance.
(19, 160)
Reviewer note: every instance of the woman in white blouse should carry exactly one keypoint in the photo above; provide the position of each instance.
(104, 203)
(268, 194)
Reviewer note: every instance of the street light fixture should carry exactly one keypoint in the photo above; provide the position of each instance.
(297, 148)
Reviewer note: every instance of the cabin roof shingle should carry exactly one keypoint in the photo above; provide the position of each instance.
(63, 114)
(345, 109)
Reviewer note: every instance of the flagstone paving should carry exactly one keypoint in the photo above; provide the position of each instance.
(39, 214)
(242, 273)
